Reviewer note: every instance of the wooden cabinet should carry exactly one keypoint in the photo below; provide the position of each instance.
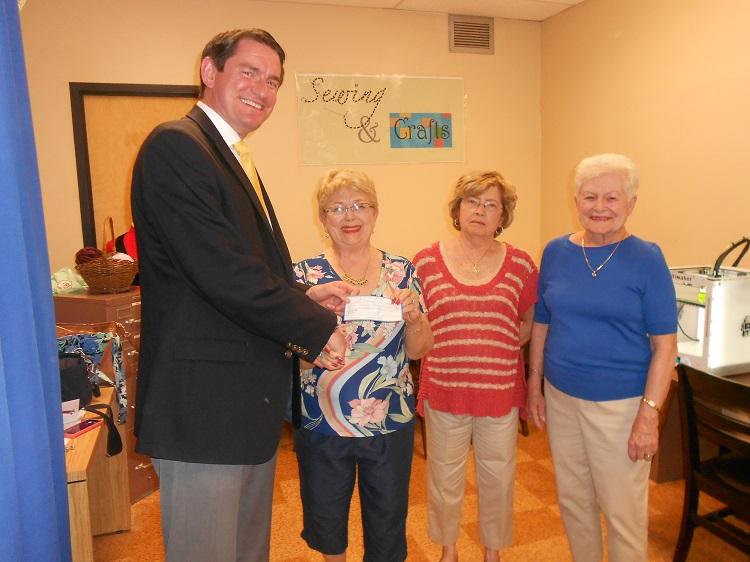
(667, 464)
(124, 308)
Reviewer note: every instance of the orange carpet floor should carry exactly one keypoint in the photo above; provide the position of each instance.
(538, 531)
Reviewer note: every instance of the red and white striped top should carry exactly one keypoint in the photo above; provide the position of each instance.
(476, 365)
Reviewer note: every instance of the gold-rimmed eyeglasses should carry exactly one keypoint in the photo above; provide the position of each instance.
(490, 205)
(357, 208)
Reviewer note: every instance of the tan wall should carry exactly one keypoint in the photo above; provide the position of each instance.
(159, 42)
(667, 83)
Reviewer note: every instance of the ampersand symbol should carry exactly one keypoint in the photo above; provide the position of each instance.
(366, 133)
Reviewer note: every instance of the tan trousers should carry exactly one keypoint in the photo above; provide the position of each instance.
(448, 440)
(589, 443)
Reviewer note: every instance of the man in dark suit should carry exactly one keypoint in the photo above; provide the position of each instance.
(223, 323)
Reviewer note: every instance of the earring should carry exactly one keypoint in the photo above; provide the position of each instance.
(499, 231)
(456, 225)
(326, 235)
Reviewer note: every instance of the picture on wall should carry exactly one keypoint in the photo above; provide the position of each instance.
(110, 122)
(358, 119)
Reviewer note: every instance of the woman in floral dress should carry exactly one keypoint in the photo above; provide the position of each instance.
(357, 422)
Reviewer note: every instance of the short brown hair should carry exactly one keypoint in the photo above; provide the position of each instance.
(476, 183)
(224, 45)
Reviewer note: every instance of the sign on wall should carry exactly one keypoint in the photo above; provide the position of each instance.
(356, 119)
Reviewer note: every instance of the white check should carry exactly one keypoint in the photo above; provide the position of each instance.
(372, 308)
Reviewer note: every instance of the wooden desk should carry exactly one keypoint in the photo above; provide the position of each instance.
(743, 379)
(667, 464)
(98, 496)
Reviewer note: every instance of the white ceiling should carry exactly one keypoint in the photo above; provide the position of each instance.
(536, 10)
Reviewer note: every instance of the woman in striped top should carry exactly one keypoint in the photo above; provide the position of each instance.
(480, 294)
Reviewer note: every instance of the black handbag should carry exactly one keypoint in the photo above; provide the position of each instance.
(75, 379)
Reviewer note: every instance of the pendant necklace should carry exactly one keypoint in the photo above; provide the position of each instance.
(595, 271)
(476, 270)
(357, 282)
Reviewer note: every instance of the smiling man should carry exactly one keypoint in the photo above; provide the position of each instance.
(223, 323)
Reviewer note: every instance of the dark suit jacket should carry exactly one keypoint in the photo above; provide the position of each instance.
(220, 310)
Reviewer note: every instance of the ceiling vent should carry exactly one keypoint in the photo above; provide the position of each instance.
(471, 34)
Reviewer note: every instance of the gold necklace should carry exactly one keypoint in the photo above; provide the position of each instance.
(357, 282)
(475, 264)
(595, 271)
(353, 280)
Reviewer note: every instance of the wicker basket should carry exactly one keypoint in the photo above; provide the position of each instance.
(106, 274)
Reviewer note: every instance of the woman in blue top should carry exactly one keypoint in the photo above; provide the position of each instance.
(358, 421)
(604, 337)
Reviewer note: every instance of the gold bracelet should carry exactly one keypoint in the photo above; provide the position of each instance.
(650, 403)
(533, 372)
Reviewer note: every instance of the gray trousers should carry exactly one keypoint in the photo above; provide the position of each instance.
(216, 512)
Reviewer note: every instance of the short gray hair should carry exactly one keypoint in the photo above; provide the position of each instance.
(608, 163)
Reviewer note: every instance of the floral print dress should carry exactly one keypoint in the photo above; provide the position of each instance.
(373, 393)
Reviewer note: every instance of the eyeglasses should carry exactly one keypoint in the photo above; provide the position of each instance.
(490, 206)
(357, 208)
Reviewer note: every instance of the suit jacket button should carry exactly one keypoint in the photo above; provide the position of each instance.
(288, 354)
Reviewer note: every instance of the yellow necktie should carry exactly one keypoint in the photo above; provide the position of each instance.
(246, 160)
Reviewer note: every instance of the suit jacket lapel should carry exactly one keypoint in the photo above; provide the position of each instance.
(208, 128)
(277, 235)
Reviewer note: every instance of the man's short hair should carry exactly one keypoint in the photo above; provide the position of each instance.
(224, 45)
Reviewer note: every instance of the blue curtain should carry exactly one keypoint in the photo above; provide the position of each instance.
(33, 495)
